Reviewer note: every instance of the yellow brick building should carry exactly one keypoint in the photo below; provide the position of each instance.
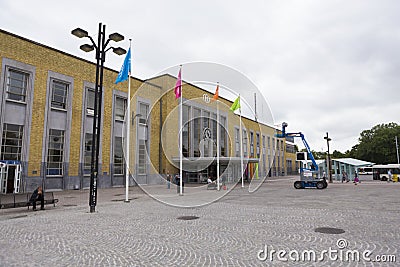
(46, 123)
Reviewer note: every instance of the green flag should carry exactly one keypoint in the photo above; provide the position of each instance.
(236, 104)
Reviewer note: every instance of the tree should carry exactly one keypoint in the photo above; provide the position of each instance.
(337, 154)
(377, 144)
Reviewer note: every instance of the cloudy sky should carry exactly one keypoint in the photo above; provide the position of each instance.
(323, 66)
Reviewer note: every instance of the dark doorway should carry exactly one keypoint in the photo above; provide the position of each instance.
(10, 179)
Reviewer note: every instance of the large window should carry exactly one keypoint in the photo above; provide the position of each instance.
(273, 145)
(185, 131)
(258, 145)
(244, 143)
(87, 154)
(264, 156)
(222, 136)
(17, 83)
(263, 144)
(120, 108)
(206, 119)
(196, 132)
(118, 156)
(90, 96)
(237, 142)
(144, 112)
(214, 133)
(206, 143)
(59, 91)
(12, 142)
(142, 157)
(143, 128)
(251, 144)
(55, 152)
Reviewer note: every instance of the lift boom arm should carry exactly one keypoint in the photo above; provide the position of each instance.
(310, 155)
(299, 134)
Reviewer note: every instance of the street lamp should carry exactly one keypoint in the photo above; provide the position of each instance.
(101, 49)
(329, 158)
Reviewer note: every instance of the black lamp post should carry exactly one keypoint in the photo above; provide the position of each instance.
(329, 158)
(101, 49)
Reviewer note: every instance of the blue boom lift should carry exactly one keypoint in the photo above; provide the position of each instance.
(309, 178)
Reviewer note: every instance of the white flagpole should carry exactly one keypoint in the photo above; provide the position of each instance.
(218, 148)
(180, 140)
(241, 141)
(128, 123)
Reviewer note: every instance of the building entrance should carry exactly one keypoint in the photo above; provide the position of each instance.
(10, 177)
(10, 174)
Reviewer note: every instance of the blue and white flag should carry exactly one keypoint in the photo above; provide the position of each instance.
(125, 69)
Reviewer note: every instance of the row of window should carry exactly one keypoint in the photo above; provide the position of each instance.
(237, 143)
(12, 136)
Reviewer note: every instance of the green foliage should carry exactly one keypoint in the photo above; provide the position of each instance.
(337, 154)
(377, 144)
(317, 155)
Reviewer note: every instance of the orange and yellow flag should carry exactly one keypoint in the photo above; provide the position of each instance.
(216, 93)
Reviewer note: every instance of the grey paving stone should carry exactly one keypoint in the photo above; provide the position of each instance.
(229, 232)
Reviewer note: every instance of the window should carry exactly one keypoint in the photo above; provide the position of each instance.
(206, 119)
(222, 136)
(55, 152)
(185, 131)
(59, 92)
(206, 124)
(144, 111)
(263, 143)
(118, 156)
(142, 157)
(17, 83)
(214, 133)
(90, 96)
(251, 144)
(196, 132)
(12, 142)
(237, 142)
(263, 156)
(245, 143)
(142, 146)
(120, 108)
(87, 160)
(258, 145)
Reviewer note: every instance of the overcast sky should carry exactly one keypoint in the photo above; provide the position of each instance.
(323, 66)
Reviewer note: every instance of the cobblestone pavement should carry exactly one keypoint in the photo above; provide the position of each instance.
(234, 231)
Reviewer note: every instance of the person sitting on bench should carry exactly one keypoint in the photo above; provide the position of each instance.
(37, 195)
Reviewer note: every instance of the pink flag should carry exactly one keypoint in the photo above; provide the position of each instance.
(178, 86)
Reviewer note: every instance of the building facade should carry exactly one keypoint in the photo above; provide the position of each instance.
(47, 107)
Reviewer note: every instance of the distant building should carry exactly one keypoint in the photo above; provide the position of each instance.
(350, 166)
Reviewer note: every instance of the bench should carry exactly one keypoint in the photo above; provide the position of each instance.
(8, 201)
(212, 186)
